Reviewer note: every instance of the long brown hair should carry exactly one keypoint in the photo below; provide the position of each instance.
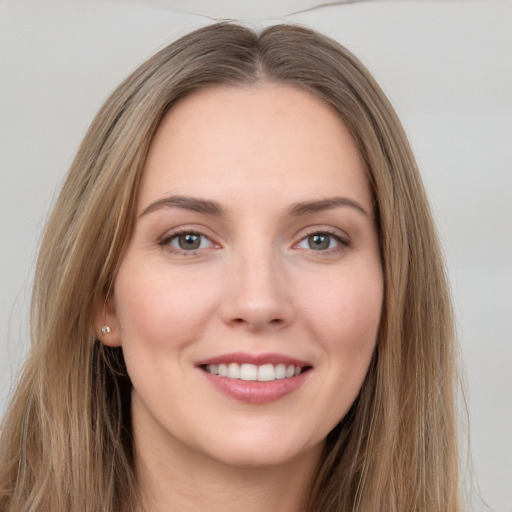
(66, 438)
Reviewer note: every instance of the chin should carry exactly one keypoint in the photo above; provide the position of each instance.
(263, 451)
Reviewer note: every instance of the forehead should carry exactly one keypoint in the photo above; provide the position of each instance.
(261, 138)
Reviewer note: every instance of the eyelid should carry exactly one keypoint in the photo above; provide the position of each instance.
(341, 237)
(165, 241)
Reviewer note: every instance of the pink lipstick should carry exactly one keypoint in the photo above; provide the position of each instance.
(255, 378)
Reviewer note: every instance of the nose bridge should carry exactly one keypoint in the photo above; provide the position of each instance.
(258, 294)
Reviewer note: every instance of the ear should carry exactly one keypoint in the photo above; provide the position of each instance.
(106, 316)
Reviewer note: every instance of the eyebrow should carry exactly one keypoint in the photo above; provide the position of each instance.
(308, 207)
(187, 203)
(214, 208)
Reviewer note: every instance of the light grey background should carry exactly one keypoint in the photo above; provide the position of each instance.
(446, 66)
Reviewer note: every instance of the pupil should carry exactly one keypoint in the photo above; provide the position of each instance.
(189, 241)
(317, 242)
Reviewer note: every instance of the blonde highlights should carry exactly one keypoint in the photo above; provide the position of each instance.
(66, 438)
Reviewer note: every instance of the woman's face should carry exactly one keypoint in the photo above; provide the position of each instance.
(248, 300)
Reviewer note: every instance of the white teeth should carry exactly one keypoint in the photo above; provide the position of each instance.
(249, 372)
(266, 373)
(233, 371)
(280, 371)
(252, 372)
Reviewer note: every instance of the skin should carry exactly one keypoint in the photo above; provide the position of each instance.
(254, 285)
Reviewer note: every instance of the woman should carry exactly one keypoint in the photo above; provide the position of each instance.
(239, 299)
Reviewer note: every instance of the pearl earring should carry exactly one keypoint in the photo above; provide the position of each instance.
(105, 329)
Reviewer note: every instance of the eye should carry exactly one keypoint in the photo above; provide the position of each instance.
(321, 241)
(187, 241)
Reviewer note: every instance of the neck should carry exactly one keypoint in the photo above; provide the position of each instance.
(179, 479)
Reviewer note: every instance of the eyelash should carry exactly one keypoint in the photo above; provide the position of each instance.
(166, 242)
(342, 242)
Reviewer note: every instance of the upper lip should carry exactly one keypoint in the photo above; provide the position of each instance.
(255, 359)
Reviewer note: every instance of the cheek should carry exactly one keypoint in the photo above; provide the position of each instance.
(348, 311)
(345, 320)
(162, 310)
(342, 315)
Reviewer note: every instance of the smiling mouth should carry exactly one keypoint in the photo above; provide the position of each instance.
(256, 373)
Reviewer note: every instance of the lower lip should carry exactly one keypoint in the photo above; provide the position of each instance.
(256, 392)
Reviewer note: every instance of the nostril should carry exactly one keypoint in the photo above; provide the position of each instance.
(256, 324)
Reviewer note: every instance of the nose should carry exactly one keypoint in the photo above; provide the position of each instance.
(258, 293)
